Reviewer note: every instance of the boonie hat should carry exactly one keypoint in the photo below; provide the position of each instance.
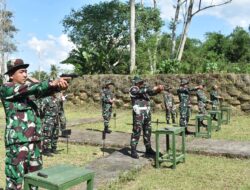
(14, 65)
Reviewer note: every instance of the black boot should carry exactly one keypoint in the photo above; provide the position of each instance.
(54, 151)
(107, 130)
(168, 122)
(47, 152)
(187, 131)
(203, 124)
(173, 120)
(134, 152)
(150, 151)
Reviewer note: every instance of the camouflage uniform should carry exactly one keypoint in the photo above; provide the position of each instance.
(62, 118)
(140, 97)
(169, 106)
(23, 130)
(107, 101)
(50, 123)
(215, 100)
(184, 98)
(23, 126)
(202, 101)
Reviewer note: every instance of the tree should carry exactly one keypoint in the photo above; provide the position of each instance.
(43, 75)
(7, 31)
(188, 16)
(237, 48)
(53, 72)
(102, 41)
(102, 38)
(132, 36)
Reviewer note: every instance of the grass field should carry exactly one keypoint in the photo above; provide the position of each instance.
(199, 172)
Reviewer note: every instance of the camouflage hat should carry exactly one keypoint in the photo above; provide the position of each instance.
(184, 81)
(15, 64)
(107, 82)
(137, 80)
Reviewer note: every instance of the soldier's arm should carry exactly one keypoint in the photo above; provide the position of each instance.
(106, 98)
(13, 91)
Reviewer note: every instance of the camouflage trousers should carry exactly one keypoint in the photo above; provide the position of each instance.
(214, 107)
(202, 109)
(170, 113)
(21, 159)
(47, 132)
(141, 122)
(62, 120)
(54, 135)
(106, 114)
(184, 116)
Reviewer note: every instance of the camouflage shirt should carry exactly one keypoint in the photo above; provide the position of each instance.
(214, 97)
(107, 97)
(168, 100)
(50, 106)
(23, 122)
(141, 96)
(184, 95)
(201, 97)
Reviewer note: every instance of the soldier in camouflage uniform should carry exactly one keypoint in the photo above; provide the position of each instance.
(140, 97)
(169, 105)
(202, 103)
(50, 124)
(184, 98)
(108, 99)
(62, 118)
(215, 100)
(23, 124)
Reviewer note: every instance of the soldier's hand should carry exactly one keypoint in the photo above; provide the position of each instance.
(61, 83)
(159, 88)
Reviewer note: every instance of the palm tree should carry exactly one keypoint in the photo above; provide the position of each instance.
(53, 72)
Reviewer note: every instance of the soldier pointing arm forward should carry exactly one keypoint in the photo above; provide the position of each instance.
(23, 123)
(140, 97)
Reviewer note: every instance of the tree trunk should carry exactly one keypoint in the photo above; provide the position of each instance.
(174, 25)
(155, 4)
(132, 36)
(186, 26)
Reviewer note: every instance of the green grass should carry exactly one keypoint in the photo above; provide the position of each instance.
(237, 130)
(198, 173)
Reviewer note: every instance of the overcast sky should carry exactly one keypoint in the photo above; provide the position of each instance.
(41, 42)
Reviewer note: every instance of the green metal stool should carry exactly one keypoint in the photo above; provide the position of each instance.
(171, 154)
(217, 114)
(59, 177)
(225, 114)
(207, 132)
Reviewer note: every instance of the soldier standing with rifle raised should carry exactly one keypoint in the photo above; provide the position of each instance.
(184, 98)
(215, 99)
(107, 102)
(202, 103)
(23, 130)
(169, 105)
(140, 97)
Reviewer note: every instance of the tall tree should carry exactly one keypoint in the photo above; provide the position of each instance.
(188, 16)
(132, 36)
(7, 31)
(53, 72)
(102, 41)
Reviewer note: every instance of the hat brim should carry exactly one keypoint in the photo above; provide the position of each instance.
(139, 81)
(23, 66)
